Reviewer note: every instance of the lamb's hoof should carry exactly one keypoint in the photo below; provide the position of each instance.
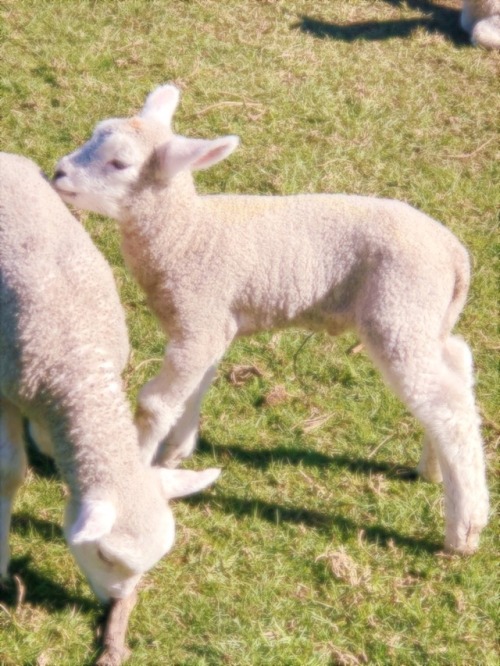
(432, 475)
(463, 544)
(113, 657)
(12, 590)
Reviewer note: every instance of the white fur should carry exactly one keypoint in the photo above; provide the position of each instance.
(215, 267)
(57, 299)
(481, 19)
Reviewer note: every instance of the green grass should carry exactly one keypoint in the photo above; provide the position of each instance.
(315, 548)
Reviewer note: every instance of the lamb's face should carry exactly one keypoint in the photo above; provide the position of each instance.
(99, 175)
(125, 154)
(115, 547)
(113, 563)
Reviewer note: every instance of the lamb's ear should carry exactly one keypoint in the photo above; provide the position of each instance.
(160, 105)
(182, 153)
(95, 519)
(182, 482)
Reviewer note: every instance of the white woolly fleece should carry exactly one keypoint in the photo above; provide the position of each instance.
(215, 267)
(63, 345)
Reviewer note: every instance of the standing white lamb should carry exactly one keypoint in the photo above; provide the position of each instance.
(63, 345)
(215, 267)
(481, 19)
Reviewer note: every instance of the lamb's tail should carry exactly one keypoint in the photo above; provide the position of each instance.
(461, 262)
(486, 33)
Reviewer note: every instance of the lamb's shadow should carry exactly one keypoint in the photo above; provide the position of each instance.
(437, 19)
(41, 590)
(263, 458)
(320, 521)
(28, 585)
(25, 525)
(325, 522)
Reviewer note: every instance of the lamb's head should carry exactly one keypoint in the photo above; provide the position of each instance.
(125, 154)
(115, 541)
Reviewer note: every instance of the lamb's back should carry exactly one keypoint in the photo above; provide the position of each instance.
(57, 293)
(324, 233)
(287, 253)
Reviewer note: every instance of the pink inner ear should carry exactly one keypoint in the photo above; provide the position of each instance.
(209, 158)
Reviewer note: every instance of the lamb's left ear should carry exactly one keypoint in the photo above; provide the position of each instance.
(95, 519)
(181, 153)
(160, 105)
(183, 482)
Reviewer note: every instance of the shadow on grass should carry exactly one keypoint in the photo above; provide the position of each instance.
(324, 522)
(262, 458)
(41, 590)
(25, 524)
(276, 513)
(28, 585)
(438, 19)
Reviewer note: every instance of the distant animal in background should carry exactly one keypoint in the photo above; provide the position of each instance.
(219, 266)
(481, 19)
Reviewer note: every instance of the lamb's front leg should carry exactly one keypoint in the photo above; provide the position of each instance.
(170, 403)
(428, 466)
(182, 438)
(12, 471)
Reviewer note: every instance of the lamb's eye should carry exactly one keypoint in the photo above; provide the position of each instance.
(103, 557)
(118, 164)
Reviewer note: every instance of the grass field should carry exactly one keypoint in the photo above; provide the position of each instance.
(316, 547)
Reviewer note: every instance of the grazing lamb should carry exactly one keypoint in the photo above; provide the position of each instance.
(63, 345)
(215, 267)
(481, 19)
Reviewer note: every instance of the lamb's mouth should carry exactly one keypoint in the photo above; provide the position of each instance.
(64, 193)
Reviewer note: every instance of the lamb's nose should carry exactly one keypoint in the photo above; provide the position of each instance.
(60, 173)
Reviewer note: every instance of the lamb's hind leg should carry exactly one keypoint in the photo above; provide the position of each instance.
(12, 471)
(458, 357)
(434, 380)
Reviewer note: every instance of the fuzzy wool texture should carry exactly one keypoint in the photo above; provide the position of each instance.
(481, 19)
(63, 345)
(218, 266)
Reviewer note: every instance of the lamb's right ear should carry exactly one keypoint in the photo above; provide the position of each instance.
(180, 153)
(160, 105)
(95, 519)
(183, 482)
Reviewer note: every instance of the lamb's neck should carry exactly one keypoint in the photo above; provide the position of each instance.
(95, 443)
(161, 208)
(159, 221)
